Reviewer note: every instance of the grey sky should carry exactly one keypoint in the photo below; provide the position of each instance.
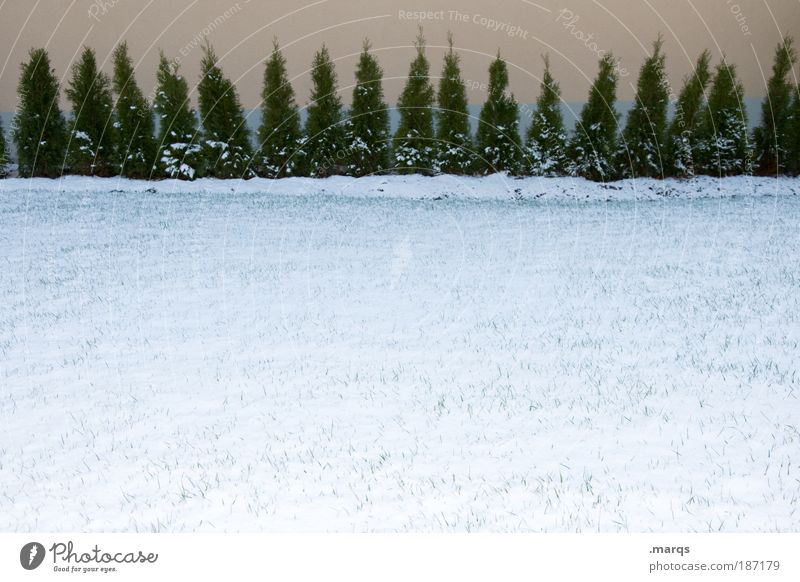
(573, 32)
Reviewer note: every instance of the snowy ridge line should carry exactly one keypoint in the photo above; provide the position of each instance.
(493, 187)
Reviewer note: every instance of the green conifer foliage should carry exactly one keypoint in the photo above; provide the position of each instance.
(280, 133)
(4, 161)
(227, 152)
(772, 137)
(723, 146)
(324, 146)
(414, 149)
(643, 140)
(178, 141)
(454, 148)
(92, 144)
(368, 141)
(546, 144)
(594, 146)
(498, 137)
(793, 137)
(682, 136)
(112, 126)
(136, 146)
(40, 132)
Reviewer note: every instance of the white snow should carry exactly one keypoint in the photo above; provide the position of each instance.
(404, 353)
(496, 187)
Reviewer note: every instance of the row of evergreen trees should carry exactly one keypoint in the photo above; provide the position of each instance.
(112, 131)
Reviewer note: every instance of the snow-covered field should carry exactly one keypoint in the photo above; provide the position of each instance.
(399, 354)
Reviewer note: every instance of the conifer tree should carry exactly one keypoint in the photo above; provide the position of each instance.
(594, 145)
(367, 129)
(414, 149)
(793, 137)
(498, 137)
(280, 133)
(683, 131)
(40, 132)
(227, 152)
(136, 146)
(723, 147)
(644, 137)
(4, 161)
(546, 144)
(454, 147)
(177, 141)
(324, 129)
(771, 137)
(92, 146)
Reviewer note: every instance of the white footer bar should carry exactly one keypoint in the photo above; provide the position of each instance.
(388, 557)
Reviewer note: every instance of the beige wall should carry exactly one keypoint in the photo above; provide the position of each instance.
(242, 30)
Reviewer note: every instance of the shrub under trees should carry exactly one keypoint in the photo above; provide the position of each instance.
(92, 143)
(40, 132)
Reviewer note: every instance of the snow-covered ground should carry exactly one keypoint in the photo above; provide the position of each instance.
(494, 187)
(399, 354)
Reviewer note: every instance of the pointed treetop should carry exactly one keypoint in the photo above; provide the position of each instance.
(658, 44)
(209, 56)
(208, 49)
(419, 42)
(701, 69)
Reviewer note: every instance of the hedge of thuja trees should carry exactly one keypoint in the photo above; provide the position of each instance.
(111, 129)
(4, 162)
